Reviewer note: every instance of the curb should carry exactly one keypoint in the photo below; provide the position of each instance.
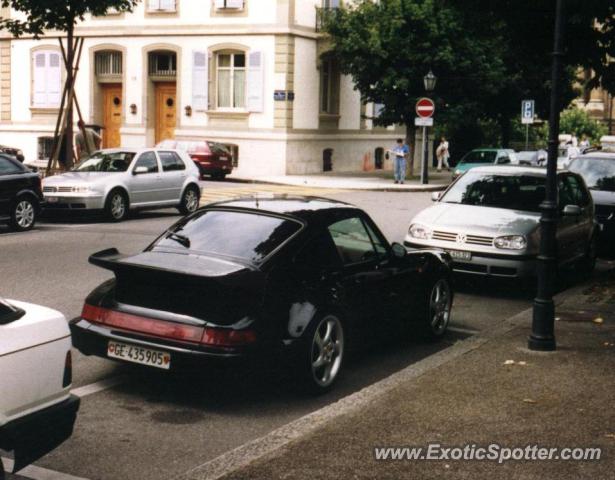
(409, 188)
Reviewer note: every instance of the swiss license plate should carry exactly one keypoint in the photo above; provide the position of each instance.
(51, 199)
(224, 159)
(144, 356)
(460, 255)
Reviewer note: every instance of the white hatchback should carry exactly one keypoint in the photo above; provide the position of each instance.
(37, 411)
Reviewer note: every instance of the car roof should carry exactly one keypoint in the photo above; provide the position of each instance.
(598, 154)
(511, 170)
(304, 207)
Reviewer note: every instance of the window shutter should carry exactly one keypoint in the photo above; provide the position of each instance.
(39, 91)
(153, 4)
(167, 5)
(54, 80)
(220, 3)
(256, 100)
(236, 4)
(200, 84)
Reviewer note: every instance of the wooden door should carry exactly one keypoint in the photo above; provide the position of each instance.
(112, 115)
(165, 111)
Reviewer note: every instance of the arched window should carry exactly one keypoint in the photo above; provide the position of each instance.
(46, 78)
(108, 63)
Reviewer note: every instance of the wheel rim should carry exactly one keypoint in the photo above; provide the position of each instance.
(327, 351)
(118, 206)
(191, 201)
(440, 306)
(24, 214)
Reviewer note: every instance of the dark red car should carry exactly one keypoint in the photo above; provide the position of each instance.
(212, 158)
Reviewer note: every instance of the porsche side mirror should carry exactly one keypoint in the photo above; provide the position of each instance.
(399, 251)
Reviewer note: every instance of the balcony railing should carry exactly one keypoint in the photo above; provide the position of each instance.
(323, 15)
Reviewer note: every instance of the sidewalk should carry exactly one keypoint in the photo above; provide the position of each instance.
(375, 180)
(558, 399)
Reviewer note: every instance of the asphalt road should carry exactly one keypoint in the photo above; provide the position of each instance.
(155, 426)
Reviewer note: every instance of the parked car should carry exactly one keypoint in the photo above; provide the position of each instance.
(488, 220)
(212, 158)
(484, 156)
(21, 195)
(121, 179)
(37, 411)
(13, 152)
(302, 277)
(598, 171)
(536, 158)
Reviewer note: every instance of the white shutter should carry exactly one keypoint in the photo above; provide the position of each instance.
(153, 4)
(200, 81)
(168, 5)
(39, 90)
(236, 4)
(256, 71)
(220, 3)
(54, 79)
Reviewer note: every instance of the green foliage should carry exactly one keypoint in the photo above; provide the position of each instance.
(62, 15)
(578, 122)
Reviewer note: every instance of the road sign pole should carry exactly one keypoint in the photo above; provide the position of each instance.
(424, 166)
(527, 136)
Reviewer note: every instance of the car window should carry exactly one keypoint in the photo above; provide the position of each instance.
(105, 162)
(9, 313)
(378, 245)
(513, 192)
(479, 157)
(218, 148)
(573, 192)
(171, 162)
(216, 232)
(320, 252)
(148, 160)
(598, 173)
(8, 167)
(352, 241)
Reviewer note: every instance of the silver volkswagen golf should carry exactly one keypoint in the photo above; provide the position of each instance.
(120, 179)
(489, 221)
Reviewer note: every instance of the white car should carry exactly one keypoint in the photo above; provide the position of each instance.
(37, 411)
(119, 179)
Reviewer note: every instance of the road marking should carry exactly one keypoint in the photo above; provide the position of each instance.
(37, 473)
(468, 331)
(98, 386)
(254, 450)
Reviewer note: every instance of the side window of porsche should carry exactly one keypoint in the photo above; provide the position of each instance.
(352, 241)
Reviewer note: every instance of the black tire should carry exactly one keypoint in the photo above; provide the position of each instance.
(190, 200)
(23, 213)
(437, 309)
(116, 206)
(321, 354)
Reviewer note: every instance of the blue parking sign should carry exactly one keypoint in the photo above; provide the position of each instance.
(527, 111)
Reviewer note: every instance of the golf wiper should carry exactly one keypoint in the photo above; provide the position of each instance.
(181, 239)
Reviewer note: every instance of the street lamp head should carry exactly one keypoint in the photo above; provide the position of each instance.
(430, 81)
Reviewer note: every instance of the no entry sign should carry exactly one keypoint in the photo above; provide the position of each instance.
(425, 107)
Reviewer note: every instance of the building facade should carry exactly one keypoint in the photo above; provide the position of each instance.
(254, 74)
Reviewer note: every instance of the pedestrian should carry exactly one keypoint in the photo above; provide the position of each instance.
(400, 151)
(88, 144)
(443, 155)
(584, 143)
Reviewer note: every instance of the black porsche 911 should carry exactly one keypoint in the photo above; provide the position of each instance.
(247, 278)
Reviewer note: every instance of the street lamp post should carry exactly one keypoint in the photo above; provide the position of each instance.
(542, 336)
(429, 81)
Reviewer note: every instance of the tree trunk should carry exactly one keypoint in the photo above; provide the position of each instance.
(410, 141)
(70, 53)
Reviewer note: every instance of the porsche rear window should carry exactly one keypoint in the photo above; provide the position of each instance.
(248, 236)
(9, 313)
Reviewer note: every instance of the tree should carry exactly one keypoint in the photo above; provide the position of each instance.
(42, 16)
(388, 46)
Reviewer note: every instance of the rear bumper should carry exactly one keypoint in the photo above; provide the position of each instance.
(93, 339)
(37, 434)
(506, 266)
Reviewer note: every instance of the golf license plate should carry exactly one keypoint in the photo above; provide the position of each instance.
(460, 255)
(144, 356)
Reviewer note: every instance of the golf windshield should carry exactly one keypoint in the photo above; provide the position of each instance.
(247, 236)
(105, 162)
(598, 173)
(479, 157)
(512, 192)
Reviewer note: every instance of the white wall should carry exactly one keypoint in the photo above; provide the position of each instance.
(305, 12)
(305, 108)
(350, 105)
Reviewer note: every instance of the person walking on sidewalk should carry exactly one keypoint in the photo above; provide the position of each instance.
(399, 158)
(443, 155)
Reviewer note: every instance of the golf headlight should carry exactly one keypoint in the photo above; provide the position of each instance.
(417, 230)
(511, 242)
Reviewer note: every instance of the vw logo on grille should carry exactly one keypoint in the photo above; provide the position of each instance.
(461, 238)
